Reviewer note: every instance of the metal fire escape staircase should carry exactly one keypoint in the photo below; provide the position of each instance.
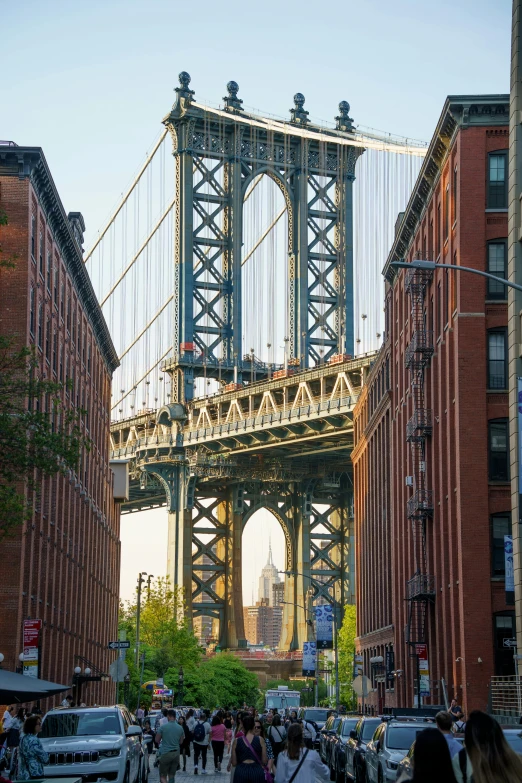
(420, 588)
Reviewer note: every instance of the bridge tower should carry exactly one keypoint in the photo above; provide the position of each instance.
(281, 443)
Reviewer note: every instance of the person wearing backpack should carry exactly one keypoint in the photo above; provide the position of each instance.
(276, 733)
(309, 733)
(486, 755)
(200, 743)
(298, 764)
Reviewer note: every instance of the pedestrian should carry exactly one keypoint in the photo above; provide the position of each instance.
(277, 736)
(228, 731)
(298, 764)
(6, 722)
(191, 722)
(309, 733)
(148, 739)
(431, 759)
(217, 738)
(486, 756)
(292, 718)
(13, 735)
(259, 730)
(200, 743)
(185, 748)
(68, 701)
(444, 721)
(169, 737)
(140, 714)
(249, 757)
(31, 755)
(456, 711)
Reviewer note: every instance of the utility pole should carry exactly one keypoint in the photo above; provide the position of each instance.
(514, 309)
(138, 613)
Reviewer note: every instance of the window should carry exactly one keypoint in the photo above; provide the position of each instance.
(438, 229)
(31, 310)
(497, 359)
(67, 374)
(454, 199)
(55, 292)
(446, 212)
(89, 359)
(61, 363)
(454, 286)
(500, 527)
(497, 180)
(55, 350)
(504, 629)
(430, 239)
(497, 266)
(48, 339)
(498, 450)
(49, 267)
(439, 309)
(40, 325)
(62, 301)
(33, 238)
(68, 322)
(446, 297)
(79, 336)
(41, 254)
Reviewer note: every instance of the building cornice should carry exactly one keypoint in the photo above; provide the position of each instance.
(459, 112)
(29, 163)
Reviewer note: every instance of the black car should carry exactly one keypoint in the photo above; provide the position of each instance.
(356, 748)
(326, 738)
(339, 743)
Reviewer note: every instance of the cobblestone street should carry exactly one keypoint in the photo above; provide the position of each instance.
(210, 777)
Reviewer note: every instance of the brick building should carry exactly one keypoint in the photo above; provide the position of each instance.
(448, 458)
(63, 566)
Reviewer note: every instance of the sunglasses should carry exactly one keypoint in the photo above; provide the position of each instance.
(257, 727)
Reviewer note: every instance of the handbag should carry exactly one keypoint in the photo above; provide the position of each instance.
(296, 770)
(269, 778)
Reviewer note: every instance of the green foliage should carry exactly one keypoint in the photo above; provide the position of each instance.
(39, 436)
(222, 680)
(346, 647)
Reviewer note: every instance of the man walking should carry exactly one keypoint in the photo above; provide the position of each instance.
(444, 722)
(200, 742)
(169, 735)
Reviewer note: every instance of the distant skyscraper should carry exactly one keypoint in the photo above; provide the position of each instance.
(278, 593)
(269, 577)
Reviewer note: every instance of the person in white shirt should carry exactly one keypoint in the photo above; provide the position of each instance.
(8, 718)
(191, 721)
(200, 743)
(298, 764)
(309, 734)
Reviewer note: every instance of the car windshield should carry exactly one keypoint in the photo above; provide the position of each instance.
(369, 727)
(320, 715)
(348, 725)
(81, 724)
(401, 737)
(515, 740)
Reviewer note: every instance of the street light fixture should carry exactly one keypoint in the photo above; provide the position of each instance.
(432, 265)
(291, 603)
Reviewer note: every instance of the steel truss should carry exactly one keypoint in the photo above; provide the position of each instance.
(219, 154)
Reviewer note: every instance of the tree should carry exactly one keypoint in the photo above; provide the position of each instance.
(39, 436)
(346, 649)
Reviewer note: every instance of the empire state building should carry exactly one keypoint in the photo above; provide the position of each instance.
(269, 577)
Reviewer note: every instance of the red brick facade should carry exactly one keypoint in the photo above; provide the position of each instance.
(455, 212)
(63, 566)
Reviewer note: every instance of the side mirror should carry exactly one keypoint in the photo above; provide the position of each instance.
(134, 731)
(353, 734)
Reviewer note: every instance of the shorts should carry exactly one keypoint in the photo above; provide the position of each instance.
(169, 763)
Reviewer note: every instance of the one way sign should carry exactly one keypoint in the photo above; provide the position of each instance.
(118, 645)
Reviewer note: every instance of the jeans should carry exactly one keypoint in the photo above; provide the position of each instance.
(218, 746)
(197, 750)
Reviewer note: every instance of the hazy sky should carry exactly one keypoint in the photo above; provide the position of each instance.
(90, 81)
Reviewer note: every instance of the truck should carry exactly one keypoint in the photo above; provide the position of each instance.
(282, 699)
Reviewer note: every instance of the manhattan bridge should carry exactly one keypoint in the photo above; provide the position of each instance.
(240, 278)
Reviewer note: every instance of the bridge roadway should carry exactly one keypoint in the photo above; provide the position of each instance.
(297, 425)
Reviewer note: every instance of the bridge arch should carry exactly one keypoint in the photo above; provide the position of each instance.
(283, 521)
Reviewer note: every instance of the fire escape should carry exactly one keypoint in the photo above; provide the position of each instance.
(420, 589)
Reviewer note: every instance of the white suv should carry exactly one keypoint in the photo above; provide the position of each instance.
(96, 743)
(389, 745)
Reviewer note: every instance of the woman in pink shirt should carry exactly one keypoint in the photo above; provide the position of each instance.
(217, 737)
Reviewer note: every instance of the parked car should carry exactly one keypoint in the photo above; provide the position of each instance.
(356, 748)
(326, 736)
(316, 715)
(514, 737)
(98, 743)
(339, 742)
(406, 765)
(389, 745)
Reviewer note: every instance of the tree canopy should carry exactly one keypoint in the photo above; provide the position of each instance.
(346, 647)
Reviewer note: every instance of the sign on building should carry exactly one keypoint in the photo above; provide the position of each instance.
(31, 663)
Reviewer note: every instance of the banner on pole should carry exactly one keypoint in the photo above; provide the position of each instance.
(31, 662)
(309, 659)
(424, 669)
(324, 626)
(508, 564)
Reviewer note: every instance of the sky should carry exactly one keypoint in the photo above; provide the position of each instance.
(89, 82)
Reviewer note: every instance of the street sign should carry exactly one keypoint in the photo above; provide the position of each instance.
(362, 685)
(120, 645)
(118, 670)
(510, 642)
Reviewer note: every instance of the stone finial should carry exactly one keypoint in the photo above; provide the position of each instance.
(299, 115)
(183, 90)
(232, 102)
(344, 122)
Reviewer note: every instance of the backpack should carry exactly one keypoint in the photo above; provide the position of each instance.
(199, 732)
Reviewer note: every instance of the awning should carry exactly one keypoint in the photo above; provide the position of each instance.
(18, 688)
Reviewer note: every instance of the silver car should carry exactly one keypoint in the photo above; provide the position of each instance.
(388, 746)
(97, 743)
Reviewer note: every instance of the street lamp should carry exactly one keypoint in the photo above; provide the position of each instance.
(336, 605)
(432, 265)
(291, 603)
